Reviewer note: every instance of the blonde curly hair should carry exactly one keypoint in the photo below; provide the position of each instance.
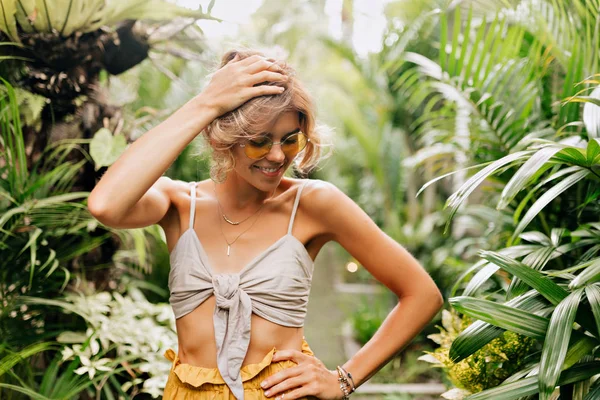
(252, 118)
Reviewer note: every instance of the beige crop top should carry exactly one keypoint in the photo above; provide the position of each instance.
(275, 285)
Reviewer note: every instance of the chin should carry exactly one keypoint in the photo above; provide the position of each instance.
(264, 182)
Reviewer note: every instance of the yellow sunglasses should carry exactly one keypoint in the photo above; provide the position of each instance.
(291, 146)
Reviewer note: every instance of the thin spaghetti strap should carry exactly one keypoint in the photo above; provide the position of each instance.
(192, 204)
(296, 201)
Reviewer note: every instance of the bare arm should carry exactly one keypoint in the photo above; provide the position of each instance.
(338, 218)
(389, 263)
(140, 166)
(130, 193)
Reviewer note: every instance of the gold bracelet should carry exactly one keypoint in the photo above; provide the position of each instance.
(349, 375)
(344, 384)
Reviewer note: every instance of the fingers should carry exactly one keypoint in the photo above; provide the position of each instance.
(309, 378)
(257, 69)
(262, 90)
(266, 76)
(263, 65)
(294, 355)
(250, 60)
(282, 387)
(298, 393)
(281, 376)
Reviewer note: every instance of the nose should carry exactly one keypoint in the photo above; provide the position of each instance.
(276, 155)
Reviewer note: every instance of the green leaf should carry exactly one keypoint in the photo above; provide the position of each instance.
(105, 148)
(157, 10)
(529, 386)
(473, 338)
(13, 359)
(456, 199)
(594, 393)
(41, 203)
(480, 278)
(8, 23)
(502, 316)
(536, 260)
(210, 6)
(592, 293)
(576, 156)
(57, 303)
(27, 391)
(591, 116)
(547, 197)
(557, 343)
(30, 107)
(434, 180)
(583, 99)
(550, 290)
(480, 333)
(593, 152)
(536, 237)
(71, 337)
(524, 174)
(590, 274)
(581, 345)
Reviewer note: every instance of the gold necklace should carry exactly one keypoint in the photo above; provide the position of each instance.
(225, 216)
(238, 236)
(229, 244)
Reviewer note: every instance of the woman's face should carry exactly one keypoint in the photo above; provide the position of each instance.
(259, 173)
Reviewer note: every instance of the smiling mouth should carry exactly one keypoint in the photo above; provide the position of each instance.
(269, 171)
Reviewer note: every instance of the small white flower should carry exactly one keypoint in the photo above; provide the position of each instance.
(67, 353)
(91, 366)
(154, 386)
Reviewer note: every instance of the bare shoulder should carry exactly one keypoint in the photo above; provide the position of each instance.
(313, 190)
(174, 188)
(319, 195)
(178, 192)
(326, 205)
(169, 186)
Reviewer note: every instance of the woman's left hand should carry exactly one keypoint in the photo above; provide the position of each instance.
(309, 378)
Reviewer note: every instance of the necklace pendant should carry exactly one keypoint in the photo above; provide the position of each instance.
(230, 221)
(228, 248)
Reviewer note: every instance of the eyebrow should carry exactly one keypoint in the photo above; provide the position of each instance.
(285, 135)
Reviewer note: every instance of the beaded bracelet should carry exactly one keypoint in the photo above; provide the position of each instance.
(344, 384)
(349, 375)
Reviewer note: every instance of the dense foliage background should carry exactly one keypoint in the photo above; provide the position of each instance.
(471, 138)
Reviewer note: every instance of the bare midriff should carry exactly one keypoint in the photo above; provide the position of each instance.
(197, 344)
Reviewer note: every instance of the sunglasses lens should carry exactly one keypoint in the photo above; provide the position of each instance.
(291, 146)
(257, 149)
(294, 144)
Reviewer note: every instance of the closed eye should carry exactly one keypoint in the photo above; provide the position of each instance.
(293, 138)
(261, 142)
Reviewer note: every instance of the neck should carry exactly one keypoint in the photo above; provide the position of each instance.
(237, 193)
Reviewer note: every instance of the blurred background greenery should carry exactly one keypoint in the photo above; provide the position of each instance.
(468, 130)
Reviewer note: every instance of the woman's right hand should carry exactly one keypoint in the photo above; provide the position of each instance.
(233, 84)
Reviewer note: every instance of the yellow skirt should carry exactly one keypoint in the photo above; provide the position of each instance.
(187, 382)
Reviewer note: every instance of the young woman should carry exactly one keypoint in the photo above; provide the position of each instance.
(243, 243)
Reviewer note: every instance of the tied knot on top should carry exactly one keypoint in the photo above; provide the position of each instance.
(232, 329)
(227, 290)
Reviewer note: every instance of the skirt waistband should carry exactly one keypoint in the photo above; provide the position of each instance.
(197, 376)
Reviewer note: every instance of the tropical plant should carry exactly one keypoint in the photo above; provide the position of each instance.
(120, 330)
(55, 58)
(488, 366)
(506, 75)
(58, 56)
(38, 212)
(564, 274)
(44, 227)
